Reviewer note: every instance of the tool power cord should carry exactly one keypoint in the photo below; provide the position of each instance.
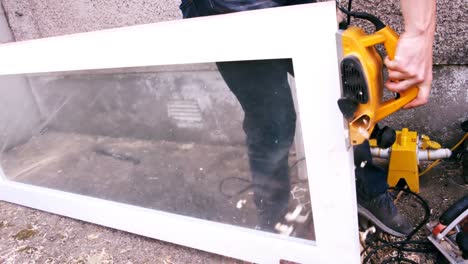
(405, 245)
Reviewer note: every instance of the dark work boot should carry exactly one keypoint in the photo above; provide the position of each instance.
(374, 201)
(384, 214)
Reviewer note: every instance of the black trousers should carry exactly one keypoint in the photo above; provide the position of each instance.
(263, 91)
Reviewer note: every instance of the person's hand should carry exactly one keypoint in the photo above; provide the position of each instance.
(412, 66)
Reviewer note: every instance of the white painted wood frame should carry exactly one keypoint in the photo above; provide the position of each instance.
(305, 33)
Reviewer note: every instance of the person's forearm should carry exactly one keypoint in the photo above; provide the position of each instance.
(412, 65)
(419, 16)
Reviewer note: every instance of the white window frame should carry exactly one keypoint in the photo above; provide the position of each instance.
(305, 33)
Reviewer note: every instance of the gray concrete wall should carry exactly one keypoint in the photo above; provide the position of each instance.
(19, 114)
(173, 105)
(31, 19)
(449, 105)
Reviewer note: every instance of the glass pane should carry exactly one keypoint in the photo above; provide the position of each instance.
(215, 141)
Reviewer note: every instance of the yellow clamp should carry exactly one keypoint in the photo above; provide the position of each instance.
(427, 143)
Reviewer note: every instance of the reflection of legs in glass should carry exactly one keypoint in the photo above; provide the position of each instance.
(269, 123)
(263, 91)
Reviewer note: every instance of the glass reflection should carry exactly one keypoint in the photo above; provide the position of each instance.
(212, 141)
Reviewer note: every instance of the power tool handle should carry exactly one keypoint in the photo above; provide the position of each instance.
(391, 40)
(390, 106)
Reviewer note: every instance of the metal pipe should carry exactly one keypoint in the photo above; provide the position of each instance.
(427, 154)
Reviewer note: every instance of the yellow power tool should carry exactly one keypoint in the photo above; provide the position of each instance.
(362, 80)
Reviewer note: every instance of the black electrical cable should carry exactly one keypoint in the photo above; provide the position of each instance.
(251, 185)
(362, 15)
(349, 10)
(427, 210)
(403, 243)
(392, 259)
(403, 246)
(295, 164)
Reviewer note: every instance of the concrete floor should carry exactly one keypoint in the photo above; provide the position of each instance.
(31, 236)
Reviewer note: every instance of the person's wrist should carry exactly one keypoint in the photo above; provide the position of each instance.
(422, 38)
(415, 33)
(420, 29)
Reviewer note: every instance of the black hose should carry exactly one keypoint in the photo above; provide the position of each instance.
(362, 15)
